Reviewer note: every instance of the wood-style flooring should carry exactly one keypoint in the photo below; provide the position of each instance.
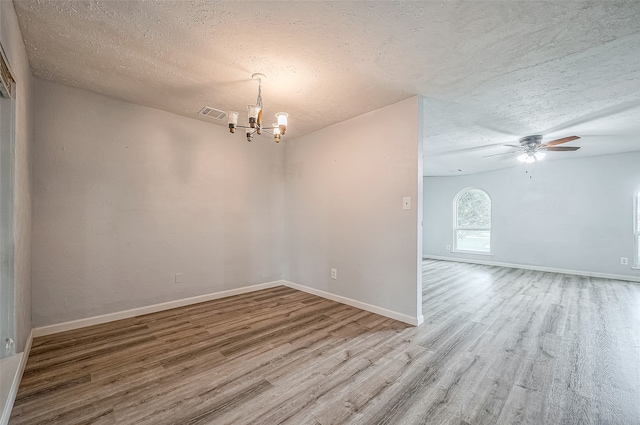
(498, 346)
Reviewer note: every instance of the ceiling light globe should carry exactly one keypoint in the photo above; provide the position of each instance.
(282, 118)
(282, 121)
(233, 120)
(252, 112)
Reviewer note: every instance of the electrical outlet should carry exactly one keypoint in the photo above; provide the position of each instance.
(334, 274)
(178, 277)
(448, 247)
(624, 261)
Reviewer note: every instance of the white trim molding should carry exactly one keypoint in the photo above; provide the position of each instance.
(412, 320)
(21, 358)
(110, 317)
(636, 231)
(537, 268)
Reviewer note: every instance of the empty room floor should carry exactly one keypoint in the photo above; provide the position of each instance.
(498, 346)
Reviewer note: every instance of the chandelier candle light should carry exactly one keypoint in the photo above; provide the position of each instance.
(254, 113)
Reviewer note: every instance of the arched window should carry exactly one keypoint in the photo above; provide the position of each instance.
(472, 221)
(637, 228)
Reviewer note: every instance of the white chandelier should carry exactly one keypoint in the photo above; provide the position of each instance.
(254, 112)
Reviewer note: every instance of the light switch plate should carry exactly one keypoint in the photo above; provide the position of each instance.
(406, 203)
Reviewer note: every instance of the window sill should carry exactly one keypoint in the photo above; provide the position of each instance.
(635, 267)
(487, 254)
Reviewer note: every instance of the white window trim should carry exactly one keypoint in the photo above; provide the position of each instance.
(636, 232)
(487, 254)
(456, 228)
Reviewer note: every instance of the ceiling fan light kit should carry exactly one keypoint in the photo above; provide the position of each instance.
(534, 150)
(530, 158)
(254, 116)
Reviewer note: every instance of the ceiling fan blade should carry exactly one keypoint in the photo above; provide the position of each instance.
(513, 146)
(503, 153)
(562, 148)
(561, 141)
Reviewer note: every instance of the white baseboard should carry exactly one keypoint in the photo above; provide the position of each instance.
(536, 268)
(5, 411)
(105, 318)
(415, 321)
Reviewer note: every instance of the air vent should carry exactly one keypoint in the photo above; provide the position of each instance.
(210, 112)
(7, 82)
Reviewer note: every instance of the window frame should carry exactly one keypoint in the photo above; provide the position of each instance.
(636, 231)
(7, 199)
(454, 245)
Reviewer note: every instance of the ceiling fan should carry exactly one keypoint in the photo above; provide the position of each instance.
(534, 150)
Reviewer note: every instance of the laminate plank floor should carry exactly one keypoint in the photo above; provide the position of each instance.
(498, 346)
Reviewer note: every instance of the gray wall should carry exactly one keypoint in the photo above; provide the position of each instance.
(11, 38)
(127, 196)
(344, 186)
(573, 214)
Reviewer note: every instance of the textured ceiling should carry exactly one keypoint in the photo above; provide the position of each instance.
(490, 71)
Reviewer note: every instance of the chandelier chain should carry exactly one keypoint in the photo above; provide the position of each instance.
(259, 100)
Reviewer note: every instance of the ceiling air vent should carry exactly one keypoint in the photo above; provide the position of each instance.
(210, 112)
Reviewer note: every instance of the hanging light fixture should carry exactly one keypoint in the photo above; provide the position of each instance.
(254, 114)
(531, 157)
